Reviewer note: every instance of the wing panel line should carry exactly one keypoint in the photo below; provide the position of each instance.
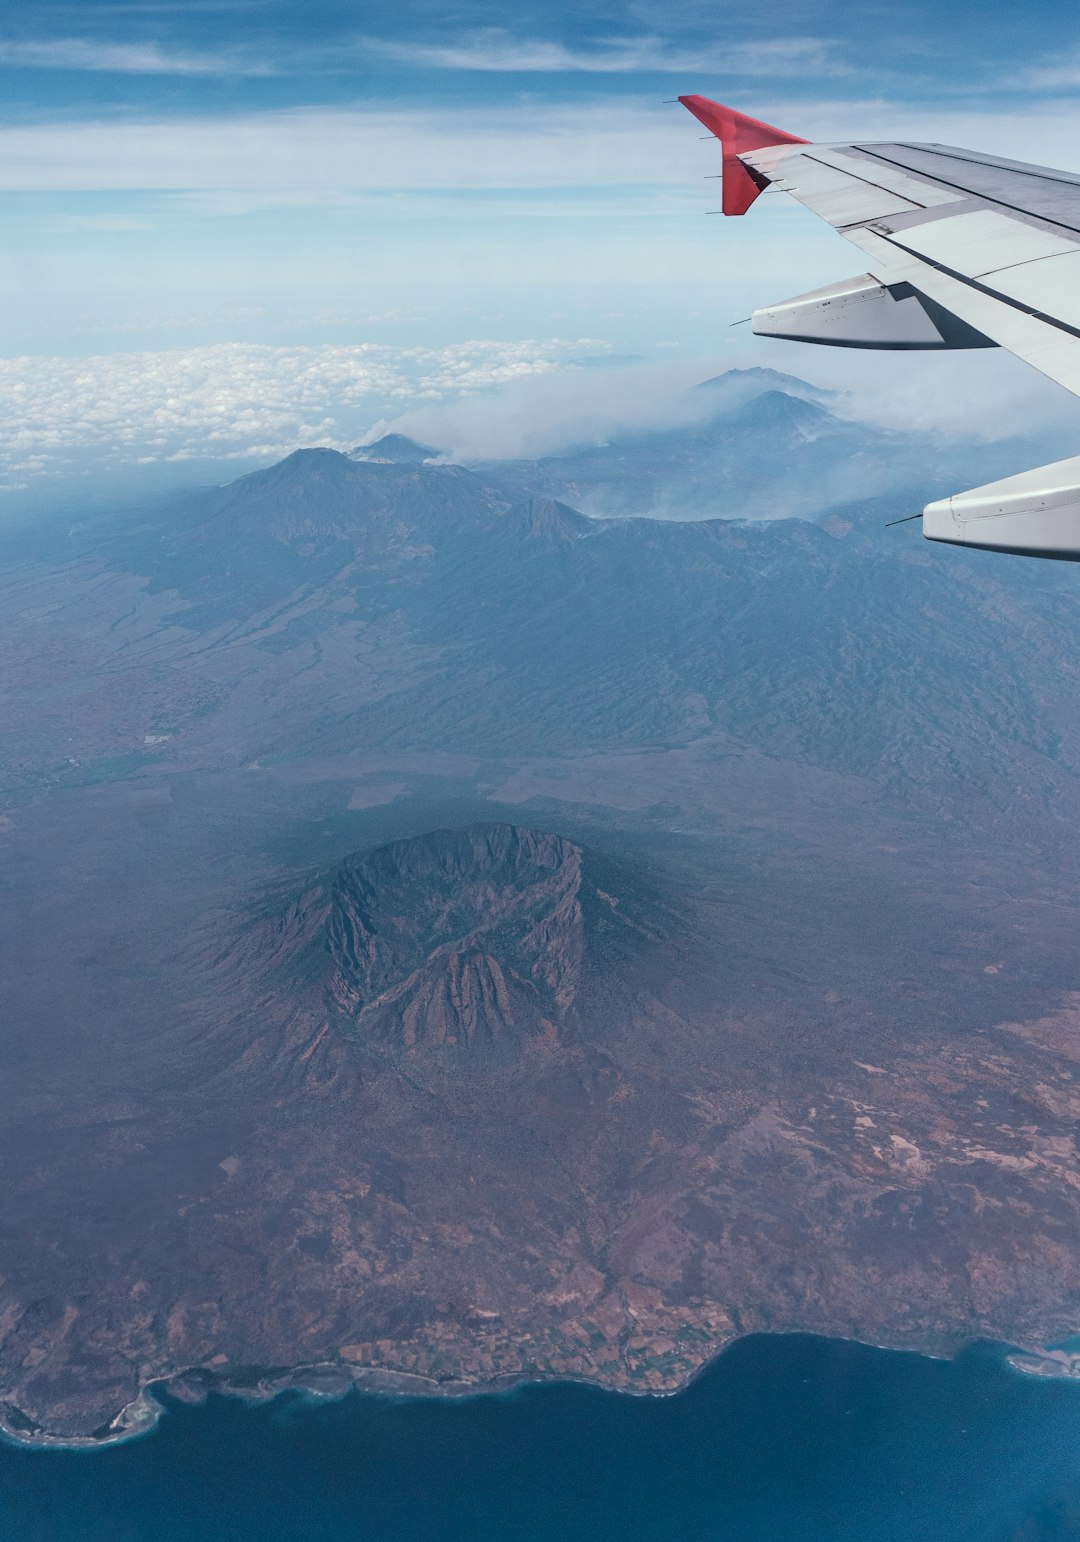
(1001, 203)
(985, 289)
(973, 158)
(854, 175)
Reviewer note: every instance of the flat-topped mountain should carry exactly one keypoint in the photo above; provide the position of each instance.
(479, 939)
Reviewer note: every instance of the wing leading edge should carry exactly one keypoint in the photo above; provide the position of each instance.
(970, 252)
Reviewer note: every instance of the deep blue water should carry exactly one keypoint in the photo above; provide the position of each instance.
(785, 1439)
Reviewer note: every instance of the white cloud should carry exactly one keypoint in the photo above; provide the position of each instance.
(982, 396)
(235, 404)
(548, 413)
(490, 49)
(232, 400)
(331, 155)
(120, 58)
(978, 397)
(1061, 72)
(494, 49)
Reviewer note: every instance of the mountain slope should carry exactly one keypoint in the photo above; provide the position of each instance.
(327, 606)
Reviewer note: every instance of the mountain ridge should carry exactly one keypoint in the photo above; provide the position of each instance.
(326, 604)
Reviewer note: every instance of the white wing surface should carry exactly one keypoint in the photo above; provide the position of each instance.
(969, 252)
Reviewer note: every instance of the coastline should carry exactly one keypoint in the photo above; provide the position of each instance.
(1055, 1362)
(332, 1380)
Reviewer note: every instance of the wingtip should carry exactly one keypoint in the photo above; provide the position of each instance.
(745, 133)
(738, 133)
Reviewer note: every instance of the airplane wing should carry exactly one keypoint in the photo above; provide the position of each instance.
(970, 252)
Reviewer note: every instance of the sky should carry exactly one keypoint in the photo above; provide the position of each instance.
(235, 225)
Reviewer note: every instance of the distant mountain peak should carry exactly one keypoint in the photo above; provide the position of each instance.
(320, 494)
(548, 521)
(759, 379)
(782, 410)
(397, 450)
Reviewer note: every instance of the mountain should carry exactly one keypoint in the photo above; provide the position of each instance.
(738, 387)
(744, 446)
(327, 605)
(321, 494)
(396, 450)
(545, 520)
(477, 941)
(491, 1102)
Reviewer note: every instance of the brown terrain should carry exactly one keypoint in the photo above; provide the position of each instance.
(447, 938)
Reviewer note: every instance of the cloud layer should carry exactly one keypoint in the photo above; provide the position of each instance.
(232, 401)
(547, 412)
(71, 53)
(337, 152)
(331, 154)
(157, 414)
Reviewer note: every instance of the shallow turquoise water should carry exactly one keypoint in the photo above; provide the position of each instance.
(783, 1439)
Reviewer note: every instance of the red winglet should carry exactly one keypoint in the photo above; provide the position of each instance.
(737, 134)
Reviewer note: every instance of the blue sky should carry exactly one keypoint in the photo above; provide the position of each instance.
(420, 176)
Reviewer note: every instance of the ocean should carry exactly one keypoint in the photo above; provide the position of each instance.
(783, 1438)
